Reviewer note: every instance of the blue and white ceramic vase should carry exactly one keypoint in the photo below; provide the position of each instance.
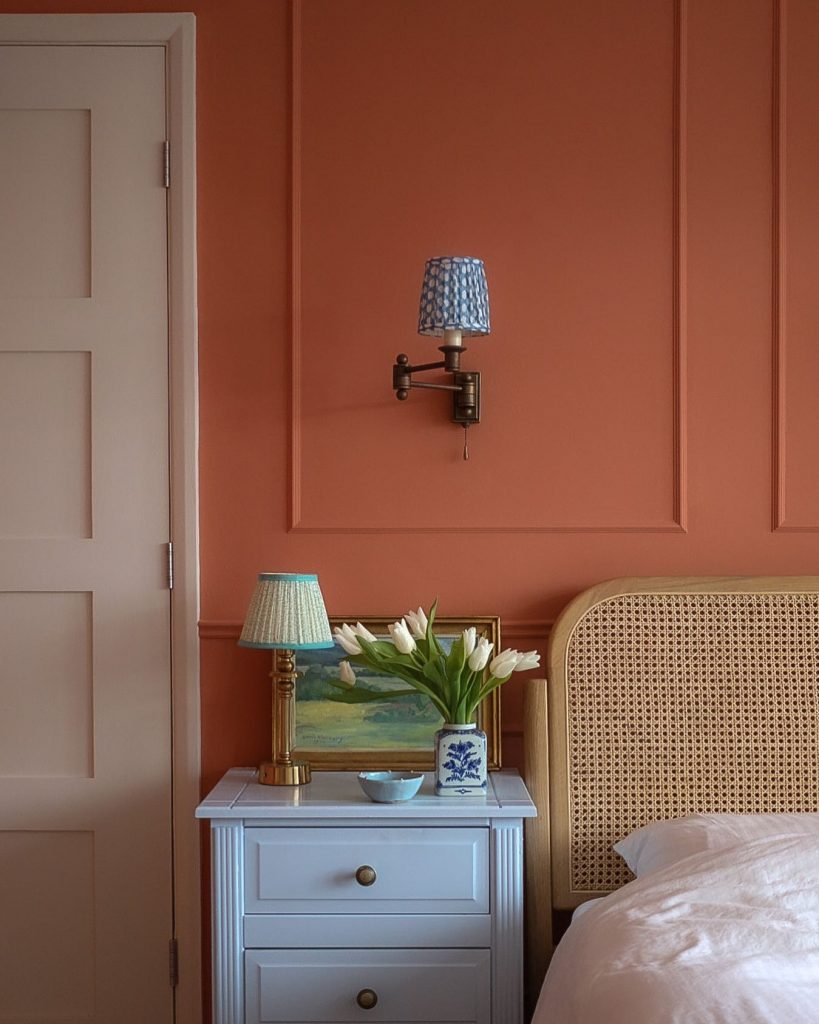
(460, 761)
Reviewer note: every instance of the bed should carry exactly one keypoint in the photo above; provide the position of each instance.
(693, 701)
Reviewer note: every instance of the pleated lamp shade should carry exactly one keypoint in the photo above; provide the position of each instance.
(454, 296)
(286, 613)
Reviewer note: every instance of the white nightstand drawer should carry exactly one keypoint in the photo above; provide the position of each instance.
(445, 985)
(367, 871)
(367, 931)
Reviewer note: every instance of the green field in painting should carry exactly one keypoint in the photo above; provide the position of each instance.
(408, 723)
(326, 725)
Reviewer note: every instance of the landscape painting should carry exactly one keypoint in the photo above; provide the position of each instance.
(389, 734)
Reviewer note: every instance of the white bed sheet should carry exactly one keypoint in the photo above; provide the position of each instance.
(721, 937)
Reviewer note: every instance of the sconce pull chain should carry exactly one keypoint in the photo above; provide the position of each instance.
(466, 442)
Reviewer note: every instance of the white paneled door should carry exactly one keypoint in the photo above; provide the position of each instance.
(85, 696)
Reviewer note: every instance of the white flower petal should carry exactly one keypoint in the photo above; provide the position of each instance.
(346, 674)
(346, 638)
(528, 660)
(402, 638)
(480, 656)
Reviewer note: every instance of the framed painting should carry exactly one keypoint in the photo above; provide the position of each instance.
(397, 734)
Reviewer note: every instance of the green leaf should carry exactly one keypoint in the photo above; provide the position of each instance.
(363, 695)
(435, 672)
(456, 659)
(338, 684)
(432, 640)
(374, 650)
(422, 647)
(491, 685)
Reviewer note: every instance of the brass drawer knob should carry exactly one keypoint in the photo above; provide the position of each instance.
(366, 876)
(366, 999)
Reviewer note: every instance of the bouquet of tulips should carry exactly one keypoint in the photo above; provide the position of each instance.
(456, 681)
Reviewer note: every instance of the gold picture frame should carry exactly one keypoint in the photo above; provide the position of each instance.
(352, 737)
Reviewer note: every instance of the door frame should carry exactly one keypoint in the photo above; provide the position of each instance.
(177, 34)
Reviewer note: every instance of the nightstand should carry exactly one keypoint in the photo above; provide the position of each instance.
(328, 907)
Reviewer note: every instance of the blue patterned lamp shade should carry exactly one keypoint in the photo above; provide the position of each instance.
(454, 296)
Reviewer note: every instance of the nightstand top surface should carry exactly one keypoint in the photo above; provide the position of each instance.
(338, 795)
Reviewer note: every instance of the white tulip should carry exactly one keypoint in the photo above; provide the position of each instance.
(527, 660)
(469, 640)
(417, 623)
(480, 656)
(504, 664)
(402, 638)
(346, 674)
(360, 630)
(346, 637)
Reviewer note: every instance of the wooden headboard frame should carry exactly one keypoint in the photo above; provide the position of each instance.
(666, 696)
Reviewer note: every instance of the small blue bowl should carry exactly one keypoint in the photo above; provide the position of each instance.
(390, 787)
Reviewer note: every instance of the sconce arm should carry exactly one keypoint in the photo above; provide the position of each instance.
(466, 407)
(421, 367)
(435, 387)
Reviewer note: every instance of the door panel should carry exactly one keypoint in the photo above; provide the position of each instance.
(85, 755)
(48, 687)
(45, 200)
(45, 444)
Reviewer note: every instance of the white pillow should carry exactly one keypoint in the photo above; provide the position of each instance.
(663, 843)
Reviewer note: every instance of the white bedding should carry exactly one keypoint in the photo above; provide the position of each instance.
(721, 937)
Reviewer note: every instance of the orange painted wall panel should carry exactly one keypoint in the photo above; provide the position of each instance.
(551, 154)
(797, 256)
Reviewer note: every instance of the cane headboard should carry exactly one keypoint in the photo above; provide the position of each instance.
(667, 697)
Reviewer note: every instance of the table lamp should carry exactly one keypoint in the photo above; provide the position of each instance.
(286, 615)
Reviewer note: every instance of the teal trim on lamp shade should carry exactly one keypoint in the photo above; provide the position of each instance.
(296, 577)
(285, 647)
(286, 613)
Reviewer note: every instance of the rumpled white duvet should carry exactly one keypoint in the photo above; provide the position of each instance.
(721, 937)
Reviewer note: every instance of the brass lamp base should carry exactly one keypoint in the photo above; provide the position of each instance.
(282, 770)
(297, 773)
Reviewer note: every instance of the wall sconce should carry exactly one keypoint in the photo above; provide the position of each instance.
(454, 305)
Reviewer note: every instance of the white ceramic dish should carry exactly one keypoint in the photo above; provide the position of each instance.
(390, 787)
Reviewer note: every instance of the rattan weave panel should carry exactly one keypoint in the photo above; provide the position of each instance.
(687, 702)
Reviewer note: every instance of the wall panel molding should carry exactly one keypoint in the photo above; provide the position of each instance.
(778, 114)
(777, 276)
(679, 258)
(513, 629)
(679, 455)
(779, 266)
(213, 630)
(294, 465)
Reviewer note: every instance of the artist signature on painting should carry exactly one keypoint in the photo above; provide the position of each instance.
(320, 739)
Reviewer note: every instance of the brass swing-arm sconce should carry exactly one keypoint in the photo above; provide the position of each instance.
(454, 304)
(465, 386)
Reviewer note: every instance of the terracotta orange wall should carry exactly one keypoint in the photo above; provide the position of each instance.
(640, 179)
(650, 248)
